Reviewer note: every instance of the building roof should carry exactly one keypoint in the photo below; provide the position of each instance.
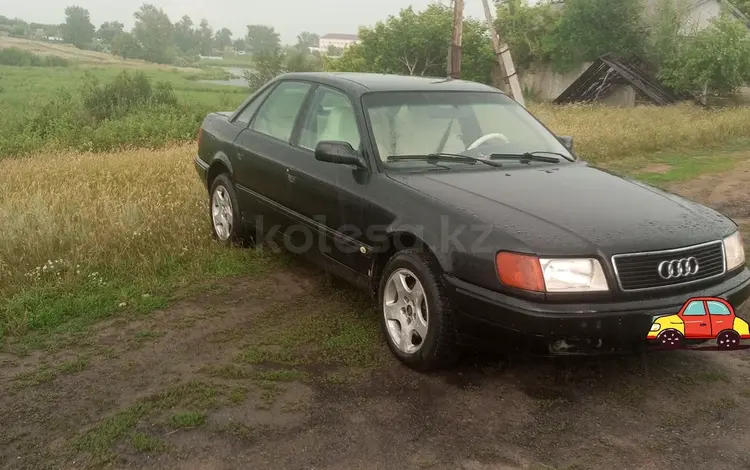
(344, 36)
(360, 83)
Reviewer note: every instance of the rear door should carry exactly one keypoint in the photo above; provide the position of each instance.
(721, 317)
(697, 324)
(263, 153)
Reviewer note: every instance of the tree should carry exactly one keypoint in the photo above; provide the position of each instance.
(524, 28)
(224, 38)
(154, 33)
(664, 31)
(743, 6)
(334, 51)
(205, 38)
(78, 29)
(306, 40)
(715, 61)
(239, 44)
(108, 30)
(125, 46)
(262, 40)
(185, 36)
(588, 29)
(266, 66)
(417, 44)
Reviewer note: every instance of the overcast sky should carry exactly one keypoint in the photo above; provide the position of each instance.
(289, 17)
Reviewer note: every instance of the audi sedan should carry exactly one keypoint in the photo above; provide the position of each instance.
(471, 223)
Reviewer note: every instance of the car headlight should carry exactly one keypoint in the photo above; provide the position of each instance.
(734, 250)
(550, 275)
(573, 275)
(655, 327)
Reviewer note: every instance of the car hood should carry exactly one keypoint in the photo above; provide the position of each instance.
(573, 208)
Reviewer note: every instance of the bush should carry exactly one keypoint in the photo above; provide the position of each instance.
(20, 58)
(127, 92)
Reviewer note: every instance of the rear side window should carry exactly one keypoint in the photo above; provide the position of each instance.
(717, 308)
(244, 118)
(278, 113)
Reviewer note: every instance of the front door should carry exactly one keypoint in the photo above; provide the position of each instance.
(721, 317)
(329, 197)
(697, 324)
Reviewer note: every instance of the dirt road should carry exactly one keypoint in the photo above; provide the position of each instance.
(290, 372)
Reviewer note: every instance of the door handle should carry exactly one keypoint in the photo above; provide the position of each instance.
(290, 176)
(703, 324)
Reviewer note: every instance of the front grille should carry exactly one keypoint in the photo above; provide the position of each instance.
(639, 271)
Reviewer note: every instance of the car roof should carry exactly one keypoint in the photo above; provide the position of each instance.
(361, 83)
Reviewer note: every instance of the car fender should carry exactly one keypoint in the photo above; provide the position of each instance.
(671, 322)
(220, 158)
(423, 237)
(741, 327)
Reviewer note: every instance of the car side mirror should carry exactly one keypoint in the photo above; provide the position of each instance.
(567, 142)
(334, 151)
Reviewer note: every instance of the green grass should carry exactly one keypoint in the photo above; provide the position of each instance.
(333, 326)
(99, 441)
(41, 108)
(188, 419)
(147, 444)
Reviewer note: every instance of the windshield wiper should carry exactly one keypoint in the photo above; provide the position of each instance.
(530, 156)
(445, 157)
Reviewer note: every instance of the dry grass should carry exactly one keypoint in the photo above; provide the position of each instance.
(98, 224)
(604, 133)
(96, 208)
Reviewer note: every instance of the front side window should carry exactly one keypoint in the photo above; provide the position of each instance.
(477, 124)
(278, 113)
(331, 117)
(695, 308)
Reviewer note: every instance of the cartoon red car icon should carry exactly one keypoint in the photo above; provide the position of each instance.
(701, 318)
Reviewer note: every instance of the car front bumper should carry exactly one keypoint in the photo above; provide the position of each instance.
(484, 317)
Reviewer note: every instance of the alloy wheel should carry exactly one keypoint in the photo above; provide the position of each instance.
(405, 310)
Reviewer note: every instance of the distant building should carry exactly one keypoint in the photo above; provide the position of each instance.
(339, 41)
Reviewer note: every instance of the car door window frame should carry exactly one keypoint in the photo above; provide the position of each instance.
(259, 99)
(302, 110)
(362, 150)
(311, 109)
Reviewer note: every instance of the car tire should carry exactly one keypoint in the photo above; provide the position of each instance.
(671, 339)
(728, 339)
(224, 213)
(418, 328)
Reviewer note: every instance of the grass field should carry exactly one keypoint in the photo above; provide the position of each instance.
(88, 234)
(251, 356)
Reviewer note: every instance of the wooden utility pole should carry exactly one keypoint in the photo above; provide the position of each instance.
(502, 52)
(454, 53)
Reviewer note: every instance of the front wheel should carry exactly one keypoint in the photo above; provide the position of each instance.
(671, 339)
(415, 312)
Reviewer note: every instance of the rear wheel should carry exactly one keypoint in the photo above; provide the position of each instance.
(226, 219)
(728, 340)
(415, 312)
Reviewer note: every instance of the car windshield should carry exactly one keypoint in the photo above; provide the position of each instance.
(476, 124)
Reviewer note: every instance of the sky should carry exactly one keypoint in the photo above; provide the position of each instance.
(288, 17)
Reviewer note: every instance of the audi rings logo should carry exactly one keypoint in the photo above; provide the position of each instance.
(677, 268)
